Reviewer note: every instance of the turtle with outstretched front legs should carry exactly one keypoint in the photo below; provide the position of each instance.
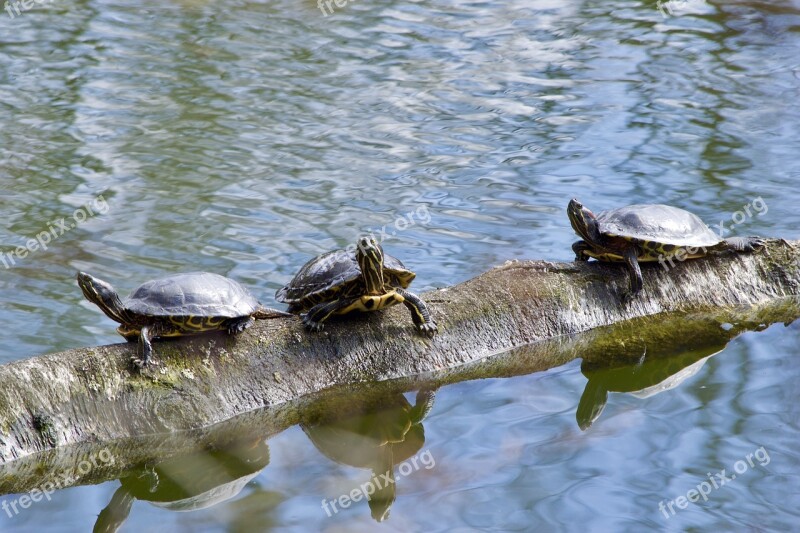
(342, 281)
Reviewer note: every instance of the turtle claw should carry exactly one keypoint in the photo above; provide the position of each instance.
(428, 329)
(141, 364)
(311, 325)
(627, 296)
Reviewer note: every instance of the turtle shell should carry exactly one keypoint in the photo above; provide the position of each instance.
(323, 277)
(662, 224)
(200, 294)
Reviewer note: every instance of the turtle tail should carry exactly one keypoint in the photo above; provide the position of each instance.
(264, 313)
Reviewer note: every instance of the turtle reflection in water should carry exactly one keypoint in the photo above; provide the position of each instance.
(647, 377)
(377, 437)
(187, 482)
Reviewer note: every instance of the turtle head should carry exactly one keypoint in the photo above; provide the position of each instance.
(103, 295)
(380, 502)
(583, 221)
(369, 255)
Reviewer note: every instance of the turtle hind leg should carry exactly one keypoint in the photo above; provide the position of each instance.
(419, 313)
(238, 325)
(313, 319)
(631, 257)
(745, 244)
(580, 247)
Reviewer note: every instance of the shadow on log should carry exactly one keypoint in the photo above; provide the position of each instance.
(83, 399)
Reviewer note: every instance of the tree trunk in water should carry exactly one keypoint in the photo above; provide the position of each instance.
(92, 396)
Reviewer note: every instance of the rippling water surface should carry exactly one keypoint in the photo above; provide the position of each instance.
(245, 137)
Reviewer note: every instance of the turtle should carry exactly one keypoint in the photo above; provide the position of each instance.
(364, 279)
(177, 305)
(647, 232)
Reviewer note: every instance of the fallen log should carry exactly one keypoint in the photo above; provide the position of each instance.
(93, 395)
(670, 340)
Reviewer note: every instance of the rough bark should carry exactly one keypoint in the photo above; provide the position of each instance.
(87, 397)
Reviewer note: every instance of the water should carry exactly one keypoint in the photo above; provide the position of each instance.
(243, 138)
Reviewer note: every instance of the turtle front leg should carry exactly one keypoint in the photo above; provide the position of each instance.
(745, 244)
(631, 258)
(313, 319)
(419, 313)
(131, 333)
(146, 335)
(580, 247)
